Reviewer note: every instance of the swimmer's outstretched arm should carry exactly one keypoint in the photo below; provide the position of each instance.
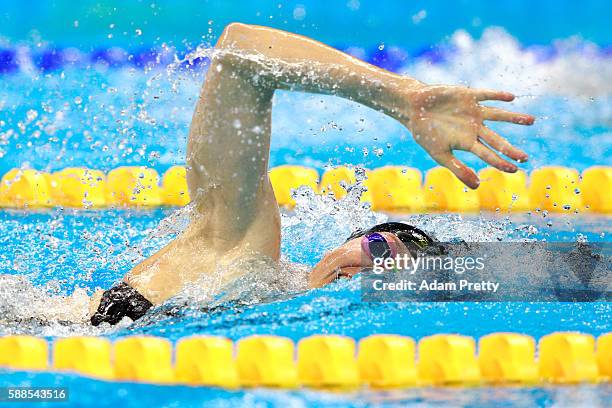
(229, 143)
(440, 118)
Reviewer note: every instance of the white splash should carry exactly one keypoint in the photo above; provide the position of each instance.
(497, 60)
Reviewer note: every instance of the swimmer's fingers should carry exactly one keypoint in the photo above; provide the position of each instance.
(492, 158)
(501, 115)
(463, 172)
(492, 95)
(502, 145)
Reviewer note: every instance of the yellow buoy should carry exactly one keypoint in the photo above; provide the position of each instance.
(327, 361)
(24, 353)
(84, 355)
(446, 359)
(266, 361)
(503, 191)
(285, 179)
(336, 181)
(206, 360)
(133, 186)
(395, 188)
(596, 189)
(25, 188)
(144, 358)
(445, 192)
(174, 186)
(507, 358)
(604, 356)
(387, 361)
(555, 189)
(568, 358)
(78, 188)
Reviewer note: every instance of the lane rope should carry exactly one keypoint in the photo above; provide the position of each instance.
(389, 188)
(322, 361)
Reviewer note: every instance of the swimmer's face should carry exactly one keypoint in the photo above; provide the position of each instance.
(351, 257)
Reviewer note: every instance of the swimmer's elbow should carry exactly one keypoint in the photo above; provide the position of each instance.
(241, 48)
(235, 35)
(237, 42)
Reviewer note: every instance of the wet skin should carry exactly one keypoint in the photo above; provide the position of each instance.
(235, 212)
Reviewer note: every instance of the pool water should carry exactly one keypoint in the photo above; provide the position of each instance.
(102, 112)
(98, 393)
(77, 249)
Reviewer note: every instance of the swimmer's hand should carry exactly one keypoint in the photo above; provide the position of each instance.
(447, 118)
(94, 301)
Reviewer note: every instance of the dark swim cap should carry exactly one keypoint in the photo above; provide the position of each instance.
(414, 238)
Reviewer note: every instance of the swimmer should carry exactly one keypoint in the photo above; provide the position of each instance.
(236, 216)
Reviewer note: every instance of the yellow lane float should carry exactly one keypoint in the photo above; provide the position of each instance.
(326, 361)
(133, 186)
(89, 356)
(25, 189)
(395, 188)
(387, 361)
(322, 361)
(503, 191)
(596, 189)
(507, 358)
(445, 192)
(337, 179)
(206, 360)
(144, 359)
(285, 179)
(604, 356)
(266, 361)
(78, 188)
(24, 353)
(447, 360)
(555, 189)
(174, 186)
(568, 358)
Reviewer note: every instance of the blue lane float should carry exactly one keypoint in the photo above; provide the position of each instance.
(390, 57)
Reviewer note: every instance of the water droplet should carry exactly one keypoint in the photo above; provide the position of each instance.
(299, 12)
(418, 17)
(31, 115)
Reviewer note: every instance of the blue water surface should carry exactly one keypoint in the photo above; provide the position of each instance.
(56, 246)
